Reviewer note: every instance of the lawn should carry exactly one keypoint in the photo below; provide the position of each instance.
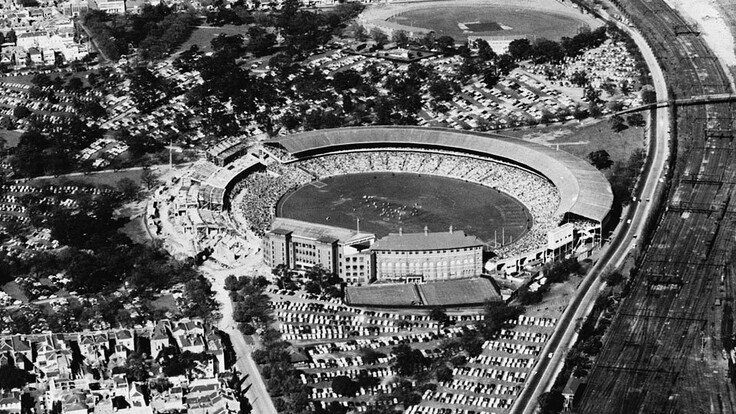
(110, 178)
(11, 137)
(487, 20)
(581, 140)
(203, 35)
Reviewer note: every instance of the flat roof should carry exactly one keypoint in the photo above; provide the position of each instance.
(427, 241)
(318, 232)
(583, 189)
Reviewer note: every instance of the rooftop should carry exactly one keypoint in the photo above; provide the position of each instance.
(319, 232)
(427, 241)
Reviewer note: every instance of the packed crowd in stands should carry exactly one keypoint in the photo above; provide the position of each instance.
(259, 192)
(254, 199)
(535, 192)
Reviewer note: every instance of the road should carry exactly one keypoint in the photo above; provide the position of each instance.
(624, 240)
(257, 393)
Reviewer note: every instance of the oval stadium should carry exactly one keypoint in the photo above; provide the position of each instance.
(552, 202)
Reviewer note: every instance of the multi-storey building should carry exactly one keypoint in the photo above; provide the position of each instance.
(301, 245)
(427, 257)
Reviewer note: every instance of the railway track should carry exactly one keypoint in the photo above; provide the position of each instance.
(663, 351)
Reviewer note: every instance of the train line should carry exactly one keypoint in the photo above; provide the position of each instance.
(664, 351)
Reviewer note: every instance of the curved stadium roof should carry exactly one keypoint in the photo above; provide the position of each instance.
(584, 191)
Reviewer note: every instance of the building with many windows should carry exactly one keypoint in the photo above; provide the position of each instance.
(301, 245)
(427, 257)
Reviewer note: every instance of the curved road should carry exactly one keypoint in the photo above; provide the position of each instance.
(625, 239)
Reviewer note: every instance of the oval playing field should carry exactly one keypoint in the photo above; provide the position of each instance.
(385, 202)
(467, 20)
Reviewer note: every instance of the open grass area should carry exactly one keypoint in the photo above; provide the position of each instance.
(203, 35)
(11, 137)
(582, 139)
(488, 19)
(110, 178)
(387, 202)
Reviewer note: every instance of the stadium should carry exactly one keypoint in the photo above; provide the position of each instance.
(554, 186)
(551, 202)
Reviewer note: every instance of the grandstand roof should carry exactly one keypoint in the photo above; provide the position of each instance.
(583, 189)
(427, 241)
(318, 232)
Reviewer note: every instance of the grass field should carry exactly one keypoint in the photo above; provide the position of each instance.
(110, 178)
(531, 23)
(385, 202)
(581, 140)
(203, 35)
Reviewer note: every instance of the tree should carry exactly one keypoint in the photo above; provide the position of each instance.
(129, 189)
(343, 385)
(600, 159)
(260, 41)
(21, 112)
(444, 374)
(400, 37)
(41, 80)
(370, 356)
(74, 84)
(485, 51)
(379, 36)
(551, 402)
(409, 361)
(520, 49)
(648, 96)
(636, 120)
(617, 123)
(149, 178)
(446, 44)
(439, 315)
(613, 278)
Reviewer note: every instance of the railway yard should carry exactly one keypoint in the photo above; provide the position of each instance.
(668, 348)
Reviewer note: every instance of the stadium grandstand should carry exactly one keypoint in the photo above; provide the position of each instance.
(584, 196)
(212, 189)
(584, 191)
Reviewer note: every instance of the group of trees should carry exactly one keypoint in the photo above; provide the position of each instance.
(99, 259)
(251, 305)
(156, 31)
(623, 175)
(284, 385)
(548, 51)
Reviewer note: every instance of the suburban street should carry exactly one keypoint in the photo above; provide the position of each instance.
(257, 393)
(624, 240)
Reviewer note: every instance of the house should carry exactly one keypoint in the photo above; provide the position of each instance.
(125, 338)
(215, 348)
(10, 402)
(191, 343)
(35, 56)
(159, 338)
(136, 396)
(572, 391)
